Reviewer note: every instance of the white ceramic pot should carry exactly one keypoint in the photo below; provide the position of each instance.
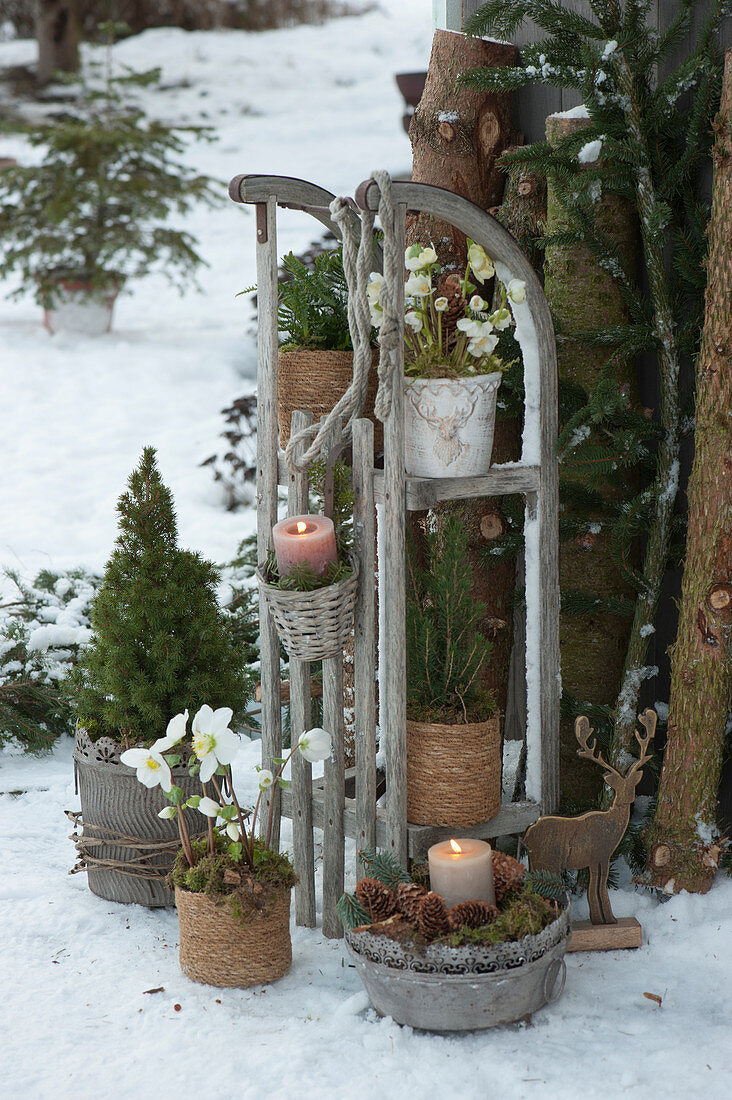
(76, 309)
(449, 425)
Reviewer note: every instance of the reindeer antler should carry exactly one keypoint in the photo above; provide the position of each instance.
(588, 749)
(648, 720)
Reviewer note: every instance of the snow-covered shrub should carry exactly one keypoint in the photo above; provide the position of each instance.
(42, 633)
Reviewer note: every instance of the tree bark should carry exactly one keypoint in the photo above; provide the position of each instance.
(584, 298)
(57, 33)
(684, 851)
(457, 134)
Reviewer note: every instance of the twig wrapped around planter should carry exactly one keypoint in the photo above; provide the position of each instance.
(147, 851)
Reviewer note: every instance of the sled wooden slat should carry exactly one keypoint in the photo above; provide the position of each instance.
(267, 350)
(425, 492)
(302, 814)
(364, 654)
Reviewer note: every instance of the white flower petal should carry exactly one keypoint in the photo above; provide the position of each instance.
(209, 764)
(202, 720)
(221, 718)
(208, 807)
(135, 758)
(167, 812)
(315, 744)
(265, 779)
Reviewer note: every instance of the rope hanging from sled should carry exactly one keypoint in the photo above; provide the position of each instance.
(357, 264)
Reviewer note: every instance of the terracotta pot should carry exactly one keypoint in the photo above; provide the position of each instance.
(453, 773)
(315, 381)
(449, 424)
(217, 949)
(77, 308)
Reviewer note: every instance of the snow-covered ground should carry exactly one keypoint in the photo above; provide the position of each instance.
(320, 103)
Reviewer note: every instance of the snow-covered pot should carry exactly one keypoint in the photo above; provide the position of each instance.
(445, 988)
(78, 308)
(449, 425)
(125, 848)
(217, 949)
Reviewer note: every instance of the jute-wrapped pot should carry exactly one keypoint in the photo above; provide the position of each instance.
(453, 773)
(315, 380)
(217, 949)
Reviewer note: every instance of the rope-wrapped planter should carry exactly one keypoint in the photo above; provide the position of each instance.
(316, 380)
(126, 850)
(216, 949)
(313, 626)
(445, 988)
(453, 773)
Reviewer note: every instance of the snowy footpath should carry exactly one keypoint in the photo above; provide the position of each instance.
(77, 1021)
(78, 1017)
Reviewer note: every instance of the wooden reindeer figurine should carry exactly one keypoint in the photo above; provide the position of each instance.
(573, 843)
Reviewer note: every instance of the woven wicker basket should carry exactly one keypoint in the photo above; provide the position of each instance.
(315, 381)
(453, 773)
(313, 626)
(216, 949)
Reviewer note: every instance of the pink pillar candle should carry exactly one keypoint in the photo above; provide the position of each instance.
(462, 870)
(304, 540)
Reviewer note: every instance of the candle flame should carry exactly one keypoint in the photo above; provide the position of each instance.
(455, 846)
(301, 527)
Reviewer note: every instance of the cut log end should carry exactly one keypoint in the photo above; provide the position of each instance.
(719, 597)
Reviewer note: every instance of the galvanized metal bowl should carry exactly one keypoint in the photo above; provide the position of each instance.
(463, 988)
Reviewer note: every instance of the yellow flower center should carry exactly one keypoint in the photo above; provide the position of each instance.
(203, 744)
(152, 764)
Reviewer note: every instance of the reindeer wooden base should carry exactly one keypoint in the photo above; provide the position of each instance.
(573, 843)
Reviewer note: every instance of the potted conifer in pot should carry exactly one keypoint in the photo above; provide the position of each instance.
(160, 642)
(315, 362)
(91, 215)
(453, 730)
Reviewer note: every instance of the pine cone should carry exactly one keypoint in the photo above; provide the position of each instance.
(471, 914)
(410, 896)
(432, 920)
(451, 288)
(378, 900)
(507, 874)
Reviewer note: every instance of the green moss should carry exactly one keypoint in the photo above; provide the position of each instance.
(247, 893)
(525, 914)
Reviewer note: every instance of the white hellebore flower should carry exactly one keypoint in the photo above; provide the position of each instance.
(266, 779)
(233, 831)
(176, 729)
(477, 304)
(208, 807)
(315, 744)
(470, 328)
(480, 263)
(213, 742)
(373, 288)
(167, 812)
(152, 770)
(419, 286)
(413, 320)
(516, 290)
(501, 319)
(441, 304)
(416, 258)
(482, 345)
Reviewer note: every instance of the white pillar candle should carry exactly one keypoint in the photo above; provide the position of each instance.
(462, 870)
(304, 540)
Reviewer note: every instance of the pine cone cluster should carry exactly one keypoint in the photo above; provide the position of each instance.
(433, 919)
(378, 900)
(508, 874)
(410, 896)
(471, 914)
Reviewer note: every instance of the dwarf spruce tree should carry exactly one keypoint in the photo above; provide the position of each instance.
(161, 643)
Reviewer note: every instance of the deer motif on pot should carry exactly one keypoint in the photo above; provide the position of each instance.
(573, 843)
(448, 445)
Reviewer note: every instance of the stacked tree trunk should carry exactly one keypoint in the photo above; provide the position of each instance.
(684, 842)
